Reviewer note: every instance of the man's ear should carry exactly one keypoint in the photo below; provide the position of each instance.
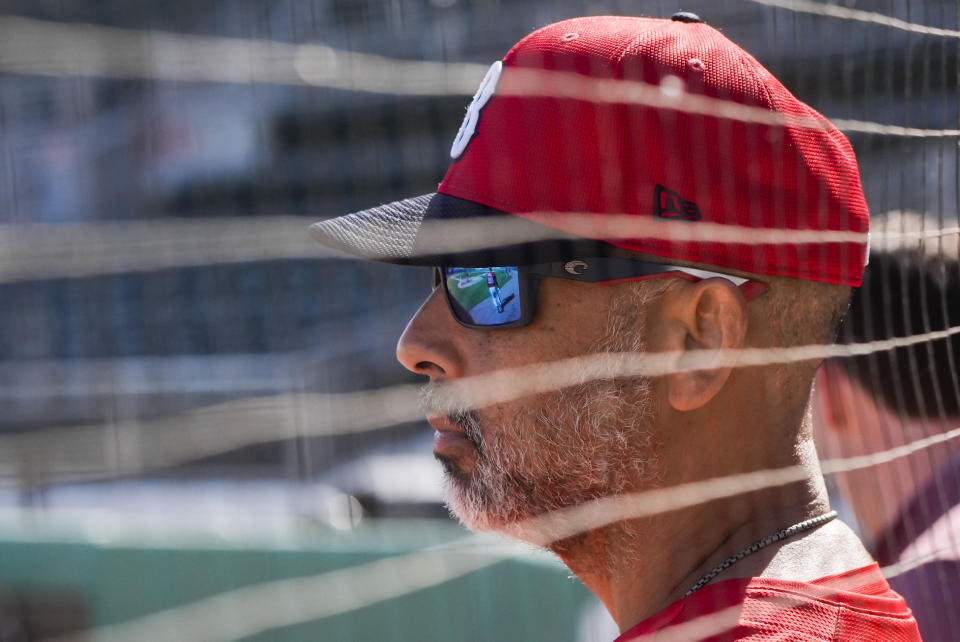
(705, 315)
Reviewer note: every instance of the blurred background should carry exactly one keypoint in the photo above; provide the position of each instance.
(176, 355)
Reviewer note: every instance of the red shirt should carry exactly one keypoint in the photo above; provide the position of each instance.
(856, 605)
(491, 280)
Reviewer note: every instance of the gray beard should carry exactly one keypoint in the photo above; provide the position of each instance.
(558, 449)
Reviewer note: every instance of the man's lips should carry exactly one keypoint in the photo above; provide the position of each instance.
(451, 442)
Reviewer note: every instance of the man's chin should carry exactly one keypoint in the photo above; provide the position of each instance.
(453, 472)
(477, 511)
(468, 504)
(531, 530)
(516, 517)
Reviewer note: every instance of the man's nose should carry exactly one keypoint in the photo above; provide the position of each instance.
(426, 345)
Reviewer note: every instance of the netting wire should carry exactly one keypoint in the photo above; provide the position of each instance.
(43, 252)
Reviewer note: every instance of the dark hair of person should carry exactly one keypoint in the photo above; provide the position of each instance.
(907, 293)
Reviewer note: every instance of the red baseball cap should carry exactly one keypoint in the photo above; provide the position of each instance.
(657, 136)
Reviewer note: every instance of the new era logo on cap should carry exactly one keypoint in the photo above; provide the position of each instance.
(668, 204)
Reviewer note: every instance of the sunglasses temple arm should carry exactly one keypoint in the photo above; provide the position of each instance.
(748, 287)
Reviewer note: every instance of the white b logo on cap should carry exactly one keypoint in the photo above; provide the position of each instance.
(480, 99)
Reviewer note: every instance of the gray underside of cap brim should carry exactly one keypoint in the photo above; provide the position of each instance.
(384, 233)
(438, 229)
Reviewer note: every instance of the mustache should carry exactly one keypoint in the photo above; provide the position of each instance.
(439, 399)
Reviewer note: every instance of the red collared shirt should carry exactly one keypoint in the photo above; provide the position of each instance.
(856, 605)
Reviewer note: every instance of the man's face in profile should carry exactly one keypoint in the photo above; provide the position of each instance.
(510, 461)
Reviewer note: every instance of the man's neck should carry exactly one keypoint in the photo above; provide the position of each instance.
(639, 567)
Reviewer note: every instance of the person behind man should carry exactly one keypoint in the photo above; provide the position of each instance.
(646, 180)
(908, 508)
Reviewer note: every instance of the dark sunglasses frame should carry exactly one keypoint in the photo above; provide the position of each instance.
(603, 269)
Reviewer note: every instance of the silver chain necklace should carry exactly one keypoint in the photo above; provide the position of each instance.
(762, 543)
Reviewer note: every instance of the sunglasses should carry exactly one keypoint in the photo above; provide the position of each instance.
(500, 297)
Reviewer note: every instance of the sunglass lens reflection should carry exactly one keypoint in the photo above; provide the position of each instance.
(488, 296)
